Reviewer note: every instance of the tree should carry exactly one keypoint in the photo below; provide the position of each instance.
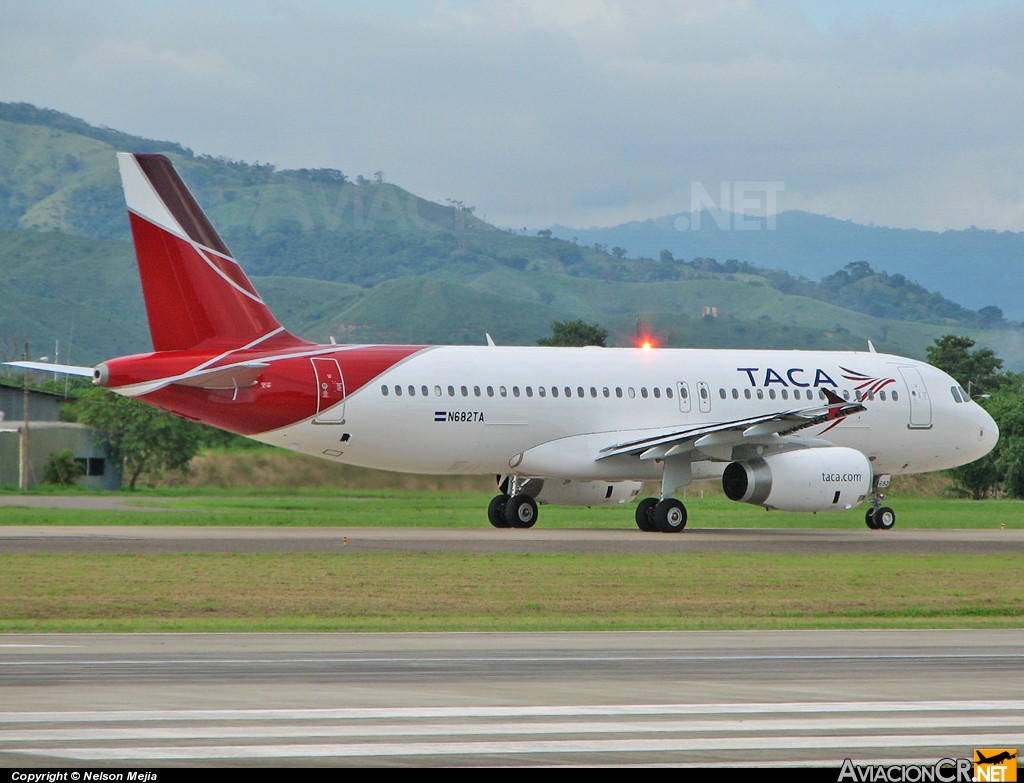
(575, 333)
(62, 468)
(979, 371)
(141, 436)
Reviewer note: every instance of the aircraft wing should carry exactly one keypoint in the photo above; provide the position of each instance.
(731, 433)
(65, 369)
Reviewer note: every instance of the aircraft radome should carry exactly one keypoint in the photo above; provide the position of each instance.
(795, 430)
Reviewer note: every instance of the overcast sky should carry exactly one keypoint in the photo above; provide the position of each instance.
(581, 112)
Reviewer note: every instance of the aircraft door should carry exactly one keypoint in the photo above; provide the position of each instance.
(683, 392)
(703, 397)
(920, 404)
(330, 391)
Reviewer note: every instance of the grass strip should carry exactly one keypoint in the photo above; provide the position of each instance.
(507, 592)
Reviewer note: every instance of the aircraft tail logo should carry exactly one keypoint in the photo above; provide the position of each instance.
(197, 296)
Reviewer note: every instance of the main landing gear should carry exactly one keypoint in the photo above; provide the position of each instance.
(666, 516)
(512, 508)
(512, 511)
(880, 517)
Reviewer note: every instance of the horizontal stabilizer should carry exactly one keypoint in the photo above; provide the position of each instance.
(64, 369)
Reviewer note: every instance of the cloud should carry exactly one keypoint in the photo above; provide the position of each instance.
(573, 112)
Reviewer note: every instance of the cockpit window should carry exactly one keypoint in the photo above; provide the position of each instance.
(955, 391)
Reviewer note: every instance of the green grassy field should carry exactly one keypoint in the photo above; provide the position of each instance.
(510, 591)
(396, 508)
(503, 592)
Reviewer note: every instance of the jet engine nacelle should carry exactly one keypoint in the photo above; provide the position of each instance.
(563, 492)
(831, 478)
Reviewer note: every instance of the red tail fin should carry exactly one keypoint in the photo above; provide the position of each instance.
(196, 294)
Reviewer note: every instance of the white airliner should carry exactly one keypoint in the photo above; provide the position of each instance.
(794, 430)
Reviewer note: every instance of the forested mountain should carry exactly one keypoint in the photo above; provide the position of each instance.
(361, 259)
(974, 267)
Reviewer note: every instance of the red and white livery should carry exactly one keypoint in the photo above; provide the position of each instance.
(797, 430)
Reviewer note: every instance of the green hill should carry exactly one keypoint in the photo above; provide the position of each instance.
(368, 261)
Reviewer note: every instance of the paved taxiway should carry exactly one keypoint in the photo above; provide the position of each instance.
(489, 699)
(140, 539)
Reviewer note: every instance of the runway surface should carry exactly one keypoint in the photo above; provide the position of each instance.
(703, 699)
(177, 539)
(691, 698)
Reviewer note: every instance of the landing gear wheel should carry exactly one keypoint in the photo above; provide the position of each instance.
(521, 511)
(885, 518)
(869, 519)
(644, 510)
(669, 515)
(496, 511)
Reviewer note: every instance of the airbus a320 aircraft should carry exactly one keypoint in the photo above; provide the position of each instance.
(793, 430)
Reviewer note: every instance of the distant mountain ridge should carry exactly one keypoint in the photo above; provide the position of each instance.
(364, 260)
(973, 267)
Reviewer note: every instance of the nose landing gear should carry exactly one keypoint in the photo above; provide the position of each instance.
(880, 517)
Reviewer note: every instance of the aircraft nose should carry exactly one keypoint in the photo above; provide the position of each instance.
(987, 429)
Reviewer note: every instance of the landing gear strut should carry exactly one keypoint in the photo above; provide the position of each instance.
(667, 515)
(880, 517)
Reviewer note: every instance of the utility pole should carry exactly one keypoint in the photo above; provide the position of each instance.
(23, 463)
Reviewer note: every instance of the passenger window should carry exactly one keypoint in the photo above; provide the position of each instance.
(735, 394)
(579, 391)
(631, 392)
(490, 391)
(606, 392)
(643, 392)
(593, 391)
(760, 394)
(412, 390)
(464, 390)
(554, 391)
(746, 393)
(451, 391)
(529, 391)
(503, 391)
(668, 392)
(618, 392)
(657, 393)
(542, 391)
(771, 393)
(398, 391)
(721, 393)
(424, 391)
(785, 394)
(437, 391)
(476, 391)
(881, 396)
(515, 391)
(895, 396)
(384, 390)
